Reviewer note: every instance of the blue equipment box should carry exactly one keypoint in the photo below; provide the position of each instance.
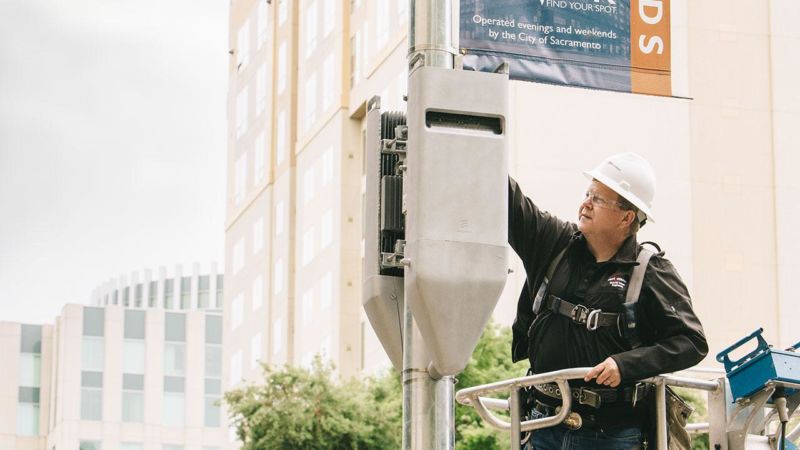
(753, 371)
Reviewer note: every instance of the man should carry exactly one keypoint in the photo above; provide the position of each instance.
(596, 257)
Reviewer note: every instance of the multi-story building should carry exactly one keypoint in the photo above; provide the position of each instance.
(143, 373)
(26, 390)
(301, 72)
(180, 291)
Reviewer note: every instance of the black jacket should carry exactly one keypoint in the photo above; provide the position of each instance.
(672, 334)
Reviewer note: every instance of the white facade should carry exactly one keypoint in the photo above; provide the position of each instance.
(141, 377)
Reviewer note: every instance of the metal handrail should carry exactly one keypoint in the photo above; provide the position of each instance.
(474, 396)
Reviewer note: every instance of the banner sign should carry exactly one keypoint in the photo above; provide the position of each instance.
(617, 45)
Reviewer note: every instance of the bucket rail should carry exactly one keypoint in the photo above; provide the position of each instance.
(475, 397)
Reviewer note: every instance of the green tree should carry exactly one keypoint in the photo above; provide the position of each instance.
(490, 362)
(297, 408)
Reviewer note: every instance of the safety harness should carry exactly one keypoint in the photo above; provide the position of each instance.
(592, 319)
(595, 318)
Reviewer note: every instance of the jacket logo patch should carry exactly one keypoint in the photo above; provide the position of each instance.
(617, 281)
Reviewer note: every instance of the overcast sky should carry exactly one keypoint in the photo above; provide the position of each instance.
(112, 144)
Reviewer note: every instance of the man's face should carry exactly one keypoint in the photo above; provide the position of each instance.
(600, 213)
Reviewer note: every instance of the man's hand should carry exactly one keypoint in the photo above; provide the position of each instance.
(606, 372)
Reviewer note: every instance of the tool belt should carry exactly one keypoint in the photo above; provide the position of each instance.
(595, 397)
(580, 314)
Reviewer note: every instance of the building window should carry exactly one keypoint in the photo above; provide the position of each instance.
(311, 100)
(258, 292)
(326, 291)
(307, 306)
(173, 409)
(308, 245)
(263, 20)
(203, 293)
(133, 362)
(310, 14)
(134, 324)
(137, 296)
(91, 395)
(186, 292)
(327, 82)
(279, 218)
(218, 300)
(240, 179)
(261, 89)
(236, 367)
(329, 16)
(283, 11)
(133, 357)
(236, 311)
(174, 369)
(277, 337)
(255, 351)
(259, 157)
(126, 302)
(93, 321)
(281, 137)
(364, 55)
(28, 416)
(213, 333)
(258, 235)
(133, 398)
(168, 293)
(238, 255)
(283, 67)
(175, 327)
(152, 294)
(243, 45)
(90, 445)
(402, 11)
(308, 185)
(30, 368)
(327, 229)
(241, 112)
(325, 348)
(213, 371)
(382, 23)
(278, 276)
(327, 166)
(355, 69)
(92, 363)
(213, 361)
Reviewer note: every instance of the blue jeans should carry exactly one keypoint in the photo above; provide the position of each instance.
(561, 438)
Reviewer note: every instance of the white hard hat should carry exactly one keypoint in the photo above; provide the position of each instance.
(630, 176)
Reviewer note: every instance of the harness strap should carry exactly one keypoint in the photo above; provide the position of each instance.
(580, 314)
(632, 296)
(542, 291)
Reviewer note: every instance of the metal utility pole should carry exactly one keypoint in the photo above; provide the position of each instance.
(428, 403)
(436, 257)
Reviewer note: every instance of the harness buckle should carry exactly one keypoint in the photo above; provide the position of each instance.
(593, 320)
(587, 397)
(579, 314)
